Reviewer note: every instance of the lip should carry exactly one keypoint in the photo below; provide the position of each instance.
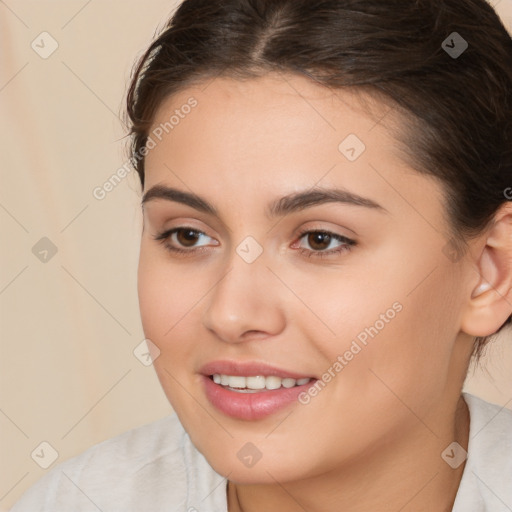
(250, 406)
(237, 368)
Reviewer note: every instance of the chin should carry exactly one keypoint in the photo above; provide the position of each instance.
(260, 473)
(243, 463)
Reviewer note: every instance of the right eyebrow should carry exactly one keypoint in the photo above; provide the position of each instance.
(179, 196)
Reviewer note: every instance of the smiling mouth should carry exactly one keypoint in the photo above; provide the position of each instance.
(256, 383)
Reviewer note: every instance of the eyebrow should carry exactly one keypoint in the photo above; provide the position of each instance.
(294, 202)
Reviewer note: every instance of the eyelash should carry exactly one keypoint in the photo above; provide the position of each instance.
(346, 247)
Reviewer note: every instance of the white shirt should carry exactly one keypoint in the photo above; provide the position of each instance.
(156, 468)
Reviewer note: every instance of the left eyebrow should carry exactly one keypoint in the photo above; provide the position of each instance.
(283, 206)
(302, 200)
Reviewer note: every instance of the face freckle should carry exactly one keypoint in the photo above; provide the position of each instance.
(246, 175)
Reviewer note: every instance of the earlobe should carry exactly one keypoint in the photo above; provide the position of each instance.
(490, 303)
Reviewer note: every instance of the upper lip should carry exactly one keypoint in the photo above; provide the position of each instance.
(249, 368)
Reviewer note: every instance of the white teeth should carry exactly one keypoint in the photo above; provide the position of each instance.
(273, 382)
(288, 383)
(237, 382)
(257, 382)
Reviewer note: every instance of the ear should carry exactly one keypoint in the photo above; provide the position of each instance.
(490, 303)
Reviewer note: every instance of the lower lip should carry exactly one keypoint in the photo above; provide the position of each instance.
(251, 406)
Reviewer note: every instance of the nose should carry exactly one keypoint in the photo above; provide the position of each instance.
(246, 303)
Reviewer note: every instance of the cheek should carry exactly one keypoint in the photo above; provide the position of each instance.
(410, 357)
(353, 301)
(167, 295)
(386, 320)
(166, 302)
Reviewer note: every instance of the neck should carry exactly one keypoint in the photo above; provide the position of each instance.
(407, 475)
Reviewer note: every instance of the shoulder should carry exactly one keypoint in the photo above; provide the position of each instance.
(490, 435)
(487, 477)
(146, 468)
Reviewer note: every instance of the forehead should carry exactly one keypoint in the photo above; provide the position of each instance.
(268, 120)
(274, 134)
(282, 103)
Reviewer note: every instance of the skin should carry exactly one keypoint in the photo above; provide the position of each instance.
(372, 438)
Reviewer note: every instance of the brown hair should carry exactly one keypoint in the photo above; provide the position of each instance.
(459, 105)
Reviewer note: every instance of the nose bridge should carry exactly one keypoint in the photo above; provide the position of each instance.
(245, 298)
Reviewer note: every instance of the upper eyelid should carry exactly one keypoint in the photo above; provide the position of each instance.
(309, 210)
(155, 216)
(187, 223)
(172, 231)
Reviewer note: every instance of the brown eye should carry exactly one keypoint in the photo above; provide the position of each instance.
(319, 241)
(185, 240)
(323, 243)
(187, 237)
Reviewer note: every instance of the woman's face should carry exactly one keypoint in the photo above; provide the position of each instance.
(307, 250)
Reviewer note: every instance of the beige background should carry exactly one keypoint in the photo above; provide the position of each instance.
(70, 325)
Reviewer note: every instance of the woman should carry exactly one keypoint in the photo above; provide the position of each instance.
(327, 243)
